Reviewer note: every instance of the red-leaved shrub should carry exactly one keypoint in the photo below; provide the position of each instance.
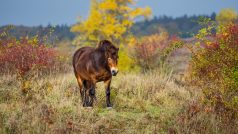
(24, 55)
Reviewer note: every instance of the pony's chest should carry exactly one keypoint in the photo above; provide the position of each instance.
(103, 76)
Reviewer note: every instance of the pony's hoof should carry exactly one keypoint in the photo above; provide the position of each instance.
(109, 107)
(89, 107)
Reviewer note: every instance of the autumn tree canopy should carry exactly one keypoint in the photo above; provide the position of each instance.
(108, 19)
(226, 16)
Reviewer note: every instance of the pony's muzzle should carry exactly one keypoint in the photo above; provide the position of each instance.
(114, 71)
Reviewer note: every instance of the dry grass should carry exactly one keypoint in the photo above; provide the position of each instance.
(143, 103)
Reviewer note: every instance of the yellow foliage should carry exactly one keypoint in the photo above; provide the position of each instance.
(227, 16)
(108, 19)
(131, 42)
(126, 63)
(140, 12)
(108, 5)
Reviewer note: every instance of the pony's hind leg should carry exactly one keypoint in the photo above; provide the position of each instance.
(85, 99)
(86, 91)
(80, 83)
(90, 93)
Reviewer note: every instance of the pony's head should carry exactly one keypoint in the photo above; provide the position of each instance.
(111, 54)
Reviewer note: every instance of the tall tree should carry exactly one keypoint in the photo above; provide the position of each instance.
(108, 19)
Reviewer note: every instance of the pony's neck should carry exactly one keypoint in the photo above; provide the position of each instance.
(101, 59)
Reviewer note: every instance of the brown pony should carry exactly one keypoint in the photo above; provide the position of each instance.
(92, 65)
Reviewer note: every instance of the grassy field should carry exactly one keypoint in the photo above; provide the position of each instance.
(154, 102)
(144, 103)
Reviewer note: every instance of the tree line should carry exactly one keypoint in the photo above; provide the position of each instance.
(184, 27)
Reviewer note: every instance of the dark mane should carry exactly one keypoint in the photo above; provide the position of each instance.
(104, 45)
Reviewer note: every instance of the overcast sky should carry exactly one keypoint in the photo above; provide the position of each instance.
(43, 12)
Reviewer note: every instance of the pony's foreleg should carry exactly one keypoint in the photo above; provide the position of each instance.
(107, 86)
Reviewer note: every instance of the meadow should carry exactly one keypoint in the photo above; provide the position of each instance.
(166, 84)
(143, 103)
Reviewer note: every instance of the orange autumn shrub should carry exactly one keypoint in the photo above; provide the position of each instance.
(153, 50)
(215, 68)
